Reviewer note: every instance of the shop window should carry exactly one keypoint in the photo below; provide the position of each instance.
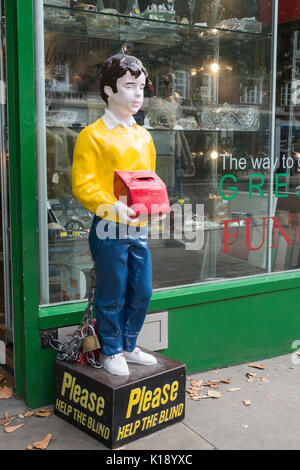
(209, 113)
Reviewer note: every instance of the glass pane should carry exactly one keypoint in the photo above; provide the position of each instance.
(286, 242)
(209, 113)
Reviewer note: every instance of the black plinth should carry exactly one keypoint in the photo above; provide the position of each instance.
(117, 410)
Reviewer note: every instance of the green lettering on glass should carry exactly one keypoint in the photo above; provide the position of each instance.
(231, 188)
(257, 186)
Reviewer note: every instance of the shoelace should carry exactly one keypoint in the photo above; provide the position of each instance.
(121, 354)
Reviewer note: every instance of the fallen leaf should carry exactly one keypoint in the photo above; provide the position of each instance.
(263, 379)
(196, 383)
(6, 392)
(29, 447)
(233, 389)
(213, 394)
(247, 402)
(28, 414)
(211, 384)
(225, 381)
(5, 421)
(43, 413)
(43, 444)
(257, 366)
(214, 383)
(249, 377)
(13, 428)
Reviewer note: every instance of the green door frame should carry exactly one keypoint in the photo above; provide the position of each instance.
(231, 304)
(23, 194)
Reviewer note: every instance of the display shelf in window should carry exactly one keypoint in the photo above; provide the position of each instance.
(143, 26)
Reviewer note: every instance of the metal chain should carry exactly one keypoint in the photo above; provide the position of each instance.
(69, 350)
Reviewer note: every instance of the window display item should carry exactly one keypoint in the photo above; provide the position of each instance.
(183, 10)
(218, 208)
(58, 3)
(132, 8)
(55, 230)
(104, 25)
(85, 7)
(160, 13)
(198, 12)
(73, 282)
(188, 123)
(247, 25)
(144, 191)
(230, 118)
(57, 13)
(61, 118)
(158, 27)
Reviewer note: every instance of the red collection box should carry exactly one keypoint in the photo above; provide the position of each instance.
(146, 193)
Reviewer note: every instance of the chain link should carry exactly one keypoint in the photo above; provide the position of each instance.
(69, 350)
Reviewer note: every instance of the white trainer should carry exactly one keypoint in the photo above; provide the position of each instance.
(115, 364)
(139, 357)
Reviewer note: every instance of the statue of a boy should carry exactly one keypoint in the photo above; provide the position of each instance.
(124, 267)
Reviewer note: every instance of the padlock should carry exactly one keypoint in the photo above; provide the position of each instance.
(90, 342)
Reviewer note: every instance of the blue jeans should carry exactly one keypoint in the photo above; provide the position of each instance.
(123, 285)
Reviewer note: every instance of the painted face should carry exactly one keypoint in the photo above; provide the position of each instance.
(130, 95)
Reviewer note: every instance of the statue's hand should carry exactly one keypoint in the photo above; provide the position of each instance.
(125, 213)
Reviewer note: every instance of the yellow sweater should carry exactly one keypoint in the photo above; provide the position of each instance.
(98, 153)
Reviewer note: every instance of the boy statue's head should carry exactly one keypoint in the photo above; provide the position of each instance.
(122, 82)
(116, 67)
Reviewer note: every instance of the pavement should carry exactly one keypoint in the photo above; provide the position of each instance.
(252, 412)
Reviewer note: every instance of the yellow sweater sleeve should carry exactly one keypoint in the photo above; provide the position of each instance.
(85, 168)
(153, 155)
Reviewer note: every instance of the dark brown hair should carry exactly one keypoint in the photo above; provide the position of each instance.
(117, 66)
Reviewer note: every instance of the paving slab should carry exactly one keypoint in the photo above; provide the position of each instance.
(175, 437)
(270, 422)
(64, 436)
